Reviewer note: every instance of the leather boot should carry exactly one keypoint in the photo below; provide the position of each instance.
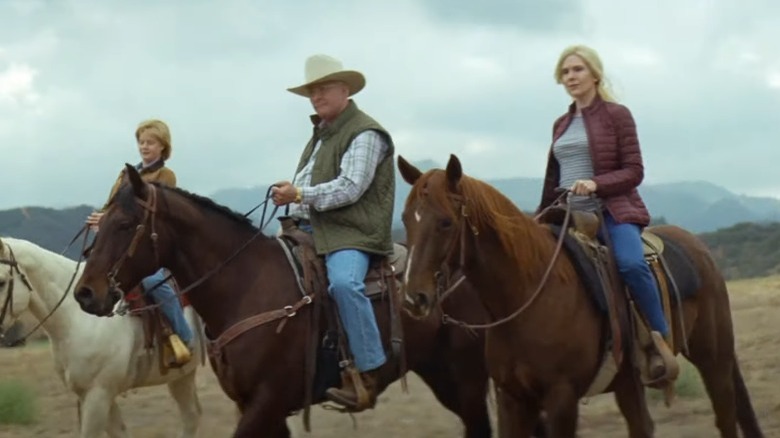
(355, 396)
(662, 365)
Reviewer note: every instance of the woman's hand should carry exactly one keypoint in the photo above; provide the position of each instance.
(584, 187)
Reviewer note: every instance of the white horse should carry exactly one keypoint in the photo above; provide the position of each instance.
(96, 358)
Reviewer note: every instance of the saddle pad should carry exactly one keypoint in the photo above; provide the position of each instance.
(585, 268)
(681, 267)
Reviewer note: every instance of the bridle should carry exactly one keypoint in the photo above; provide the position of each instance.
(458, 242)
(442, 279)
(150, 211)
(13, 267)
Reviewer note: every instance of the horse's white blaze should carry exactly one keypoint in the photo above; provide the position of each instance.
(98, 357)
(417, 216)
(408, 265)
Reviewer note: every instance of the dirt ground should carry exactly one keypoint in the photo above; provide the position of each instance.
(151, 413)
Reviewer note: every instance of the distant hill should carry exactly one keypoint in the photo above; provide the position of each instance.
(746, 250)
(746, 244)
(48, 227)
(697, 206)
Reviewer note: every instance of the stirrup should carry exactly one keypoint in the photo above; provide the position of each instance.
(667, 356)
(352, 385)
(181, 354)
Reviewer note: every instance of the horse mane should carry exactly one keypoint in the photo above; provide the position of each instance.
(525, 241)
(128, 202)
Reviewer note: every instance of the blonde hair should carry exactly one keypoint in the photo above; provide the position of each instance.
(160, 130)
(592, 60)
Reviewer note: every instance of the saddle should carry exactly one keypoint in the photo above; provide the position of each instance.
(333, 362)
(172, 353)
(628, 329)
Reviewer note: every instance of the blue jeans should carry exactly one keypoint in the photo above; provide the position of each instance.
(630, 260)
(347, 270)
(169, 304)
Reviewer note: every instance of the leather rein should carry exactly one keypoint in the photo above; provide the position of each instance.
(459, 242)
(13, 266)
(150, 211)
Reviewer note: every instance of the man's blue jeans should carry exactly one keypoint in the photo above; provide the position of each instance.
(169, 304)
(630, 260)
(347, 270)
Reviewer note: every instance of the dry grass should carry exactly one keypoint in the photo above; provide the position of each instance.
(151, 413)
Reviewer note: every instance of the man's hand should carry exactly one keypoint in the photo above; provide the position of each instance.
(583, 187)
(283, 193)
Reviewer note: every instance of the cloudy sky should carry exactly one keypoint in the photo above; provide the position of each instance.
(702, 78)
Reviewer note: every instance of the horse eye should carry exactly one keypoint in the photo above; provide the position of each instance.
(445, 223)
(2, 284)
(125, 225)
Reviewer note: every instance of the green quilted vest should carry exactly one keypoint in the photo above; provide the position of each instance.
(366, 224)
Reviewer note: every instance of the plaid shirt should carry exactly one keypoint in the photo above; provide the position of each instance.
(358, 166)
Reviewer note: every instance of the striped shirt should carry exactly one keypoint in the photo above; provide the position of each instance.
(358, 166)
(571, 151)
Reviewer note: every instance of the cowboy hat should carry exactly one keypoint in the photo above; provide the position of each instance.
(323, 68)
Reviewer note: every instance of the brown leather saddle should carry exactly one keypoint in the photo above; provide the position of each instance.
(629, 330)
(383, 287)
(157, 329)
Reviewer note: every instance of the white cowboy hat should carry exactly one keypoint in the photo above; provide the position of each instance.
(323, 68)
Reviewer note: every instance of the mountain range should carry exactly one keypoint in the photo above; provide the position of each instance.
(695, 205)
(698, 206)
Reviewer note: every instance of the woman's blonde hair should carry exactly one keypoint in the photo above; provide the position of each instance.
(592, 60)
(160, 130)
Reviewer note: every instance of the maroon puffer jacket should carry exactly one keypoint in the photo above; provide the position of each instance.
(617, 161)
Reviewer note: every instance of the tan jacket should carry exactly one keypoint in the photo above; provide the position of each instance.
(157, 172)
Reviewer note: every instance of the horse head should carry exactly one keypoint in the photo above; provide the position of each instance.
(15, 288)
(126, 248)
(434, 222)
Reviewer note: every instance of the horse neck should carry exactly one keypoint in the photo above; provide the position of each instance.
(505, 284)
(203, 242)
(49, 274)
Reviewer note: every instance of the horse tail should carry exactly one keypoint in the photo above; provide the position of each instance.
(746, 416)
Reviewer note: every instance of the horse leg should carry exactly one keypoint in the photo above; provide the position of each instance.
(517, 416)
(95, 408)
(116, 426)
(263, 415)
(630, 398)
(717, 374)
(512, 422)
(560, 405)
(183, 390)
(464, 395)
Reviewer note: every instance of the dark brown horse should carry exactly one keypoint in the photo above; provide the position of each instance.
(545, 358)
(262, 370)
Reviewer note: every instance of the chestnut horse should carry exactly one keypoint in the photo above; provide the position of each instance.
(262, 370)
(545, 358)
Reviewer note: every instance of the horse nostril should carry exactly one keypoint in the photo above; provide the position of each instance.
(422, 300)
(84, 294)
(114, 294)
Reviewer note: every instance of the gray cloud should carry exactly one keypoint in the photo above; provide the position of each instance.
(541, 16)
(443, 80)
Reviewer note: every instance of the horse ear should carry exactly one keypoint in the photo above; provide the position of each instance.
(454, 171)
(410, 173)
(139, 186)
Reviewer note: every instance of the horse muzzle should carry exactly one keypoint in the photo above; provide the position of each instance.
(91, 303)
(417, 304)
